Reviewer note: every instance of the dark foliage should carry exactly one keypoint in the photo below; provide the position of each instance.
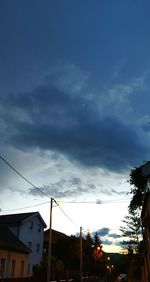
(138, 181)
(68, 250)
(131, 231)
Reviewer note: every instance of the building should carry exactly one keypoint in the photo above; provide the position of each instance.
(56, 236)
(14, 255)
(29, 228)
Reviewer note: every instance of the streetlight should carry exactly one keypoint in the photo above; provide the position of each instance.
(109, 267)
(97, 251)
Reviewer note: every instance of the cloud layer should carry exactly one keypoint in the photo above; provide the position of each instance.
(51, 119)
(108, 238)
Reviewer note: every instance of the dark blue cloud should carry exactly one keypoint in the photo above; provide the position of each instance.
(64, 188)
(114, 235)
(48, 118)
(93, 36)
(100, 37)
(107, 242)
(103, 231)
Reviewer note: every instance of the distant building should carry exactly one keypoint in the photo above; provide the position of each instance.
(29, 228)
(56, 235)
(14, 255)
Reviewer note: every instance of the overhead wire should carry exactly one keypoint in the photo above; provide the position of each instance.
(26, 207)
(60, 202)
(21, 175)
(14, 169)
(45, 194)
(95, 202)
(69, 218)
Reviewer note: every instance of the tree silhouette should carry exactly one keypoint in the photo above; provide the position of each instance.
(138, 182)
(131, 231)
(97, 241)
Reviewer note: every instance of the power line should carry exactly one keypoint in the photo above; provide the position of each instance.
(95, 202)
(15, 170)
(67, 216)
(45, 194)
(62, 202)
(27, 207)
(71, 202)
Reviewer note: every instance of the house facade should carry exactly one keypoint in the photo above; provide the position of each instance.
(29, 228)
(14, 255)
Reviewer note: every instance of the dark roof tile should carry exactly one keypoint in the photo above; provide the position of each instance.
(9, 241)
(16, 219)
(56, 235)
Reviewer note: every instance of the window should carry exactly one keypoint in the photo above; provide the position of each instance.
(37, 248)
(12, 274)
(22, 268)
(30, 245)
(31, 224)
(2, 268)
(39, 227)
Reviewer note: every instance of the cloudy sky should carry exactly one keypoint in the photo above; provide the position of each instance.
(74, 107)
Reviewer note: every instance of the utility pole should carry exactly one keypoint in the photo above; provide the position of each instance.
(80, 254)
(50, 243)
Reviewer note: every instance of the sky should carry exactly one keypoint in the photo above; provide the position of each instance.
(74, 109)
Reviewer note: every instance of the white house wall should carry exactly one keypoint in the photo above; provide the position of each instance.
(27, 234)
(33, 235)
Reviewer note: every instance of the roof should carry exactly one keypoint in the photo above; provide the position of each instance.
(17, 219)
(8, 241)
(56, 235)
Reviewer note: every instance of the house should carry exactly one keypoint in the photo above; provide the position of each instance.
(29, 228)
(56, 236)
(145, 217)
(14, 255)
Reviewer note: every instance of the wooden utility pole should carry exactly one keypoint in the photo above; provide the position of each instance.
(50, 243)
(80, 254)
